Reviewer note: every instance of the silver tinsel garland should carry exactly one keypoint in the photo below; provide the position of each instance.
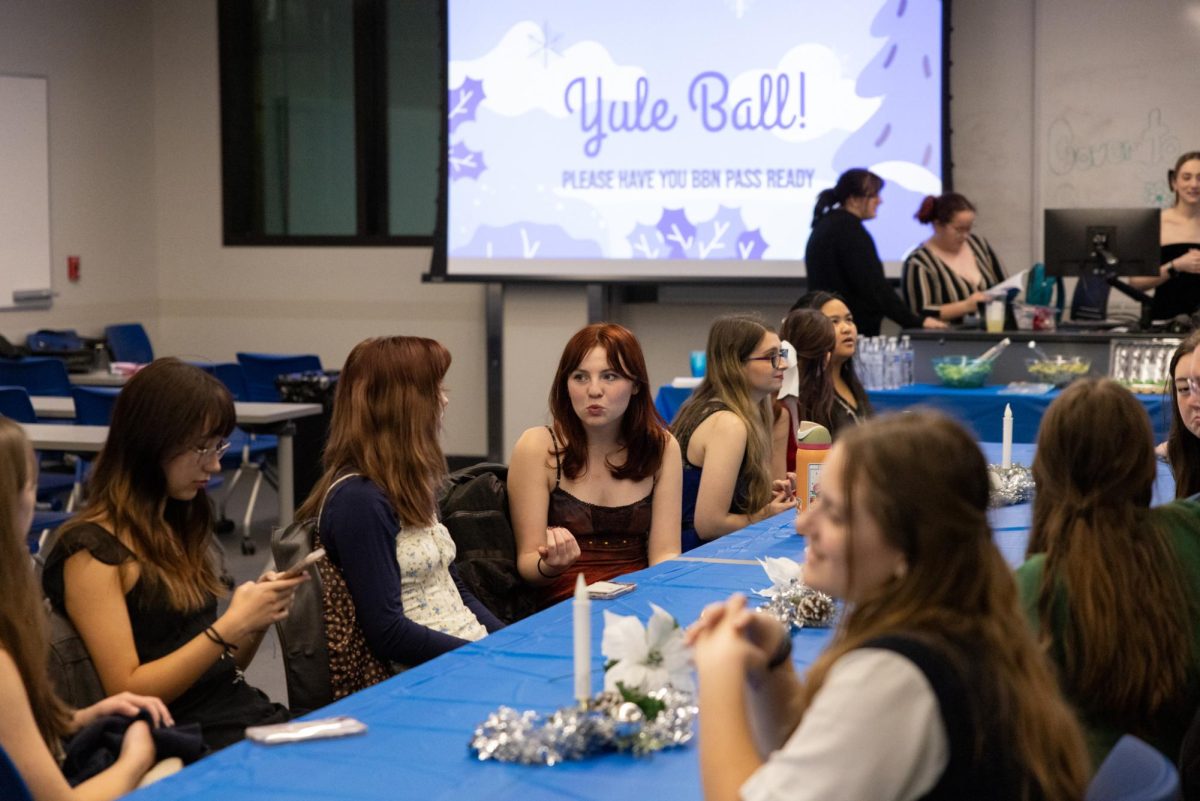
(797, 605)
(607, 723)
(1010, 485)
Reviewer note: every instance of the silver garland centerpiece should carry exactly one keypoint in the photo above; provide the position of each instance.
(647, 704)
(792, 602)
(1010, 485)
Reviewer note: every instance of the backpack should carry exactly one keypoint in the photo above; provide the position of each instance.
(325, 655)
(474, 509)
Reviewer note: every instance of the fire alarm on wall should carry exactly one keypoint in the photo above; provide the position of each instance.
(72, 268)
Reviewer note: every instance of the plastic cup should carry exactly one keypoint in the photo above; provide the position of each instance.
(699, 362)
(995, 316)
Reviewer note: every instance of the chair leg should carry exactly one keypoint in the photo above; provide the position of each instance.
(247, 541)
(224, 524)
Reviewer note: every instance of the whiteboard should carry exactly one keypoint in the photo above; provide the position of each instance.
(1115, 100)
(24, 191)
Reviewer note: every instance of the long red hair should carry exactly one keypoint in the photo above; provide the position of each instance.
(643, 431)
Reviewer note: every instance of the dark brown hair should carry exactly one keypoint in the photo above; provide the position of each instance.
(167, 408)
(941, 209)
(1193, 155)
(1183, 447)
(811, 334)
(386, 423)
(643, 432)
(1128, 638)
(817, 300)
(731, 340)
(957, 592)
(22, 618)
(856, 182)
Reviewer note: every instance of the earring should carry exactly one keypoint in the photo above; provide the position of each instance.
(901, 571)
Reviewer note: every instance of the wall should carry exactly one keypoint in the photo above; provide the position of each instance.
(101, 118)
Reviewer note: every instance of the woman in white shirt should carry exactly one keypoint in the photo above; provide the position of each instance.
(933, 686)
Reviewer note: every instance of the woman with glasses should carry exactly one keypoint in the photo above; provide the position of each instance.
(947, 274)
(841, 256)
(1183, 443)
(136, 571)
(596, 492)
(724, 433)
(376, 506)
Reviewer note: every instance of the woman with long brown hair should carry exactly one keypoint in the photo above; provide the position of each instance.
(135, 572)
(807, 392)
(377, 504)
(598, 491)
(932, 686)
(33, 721)
(724, 433)
(1110, 584)
(851, 405)
(1183, 442)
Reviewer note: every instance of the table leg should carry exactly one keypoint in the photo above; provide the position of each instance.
(287, 501)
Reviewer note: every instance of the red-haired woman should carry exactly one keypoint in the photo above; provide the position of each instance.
(377, 504)
(134, 570)
(947, 275)
(598, 491)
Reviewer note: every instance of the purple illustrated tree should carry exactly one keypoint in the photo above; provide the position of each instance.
(463, 101)
(674, 236)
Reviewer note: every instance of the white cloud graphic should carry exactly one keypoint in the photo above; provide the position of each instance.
(912, 177)
(519, 75)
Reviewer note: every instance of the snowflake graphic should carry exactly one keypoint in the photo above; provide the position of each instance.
(545, 44)
(751, 245)
(674, 236)
(465, 163)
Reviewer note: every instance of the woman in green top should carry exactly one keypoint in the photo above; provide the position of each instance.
(1109, 582)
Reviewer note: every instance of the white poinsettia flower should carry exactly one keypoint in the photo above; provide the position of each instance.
(646, 658)
(782, 572)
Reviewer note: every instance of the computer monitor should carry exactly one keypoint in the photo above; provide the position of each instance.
(1102, 241)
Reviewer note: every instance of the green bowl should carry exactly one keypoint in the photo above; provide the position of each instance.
(962, 372)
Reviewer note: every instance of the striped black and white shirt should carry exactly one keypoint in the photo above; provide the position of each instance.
(928, 283)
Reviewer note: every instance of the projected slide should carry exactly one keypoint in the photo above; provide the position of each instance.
(681, 138)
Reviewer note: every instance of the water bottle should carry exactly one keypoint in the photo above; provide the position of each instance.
(906, 350)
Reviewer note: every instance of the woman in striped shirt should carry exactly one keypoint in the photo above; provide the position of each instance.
(947, 275)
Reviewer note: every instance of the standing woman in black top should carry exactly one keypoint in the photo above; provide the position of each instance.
(1177, 285)
(841, 255)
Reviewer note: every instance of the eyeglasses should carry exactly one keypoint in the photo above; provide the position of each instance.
(777, 359)
(203, 453)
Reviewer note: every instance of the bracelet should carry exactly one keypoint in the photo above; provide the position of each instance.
(1171, 271)
(543, 573)
(782, 653)
(227, 647)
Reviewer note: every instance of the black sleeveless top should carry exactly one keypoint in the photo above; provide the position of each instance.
(983, 765)
(1181, 293)
(220, 700)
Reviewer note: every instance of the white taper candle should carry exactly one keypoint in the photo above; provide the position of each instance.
(1006, 443)
(582, 608)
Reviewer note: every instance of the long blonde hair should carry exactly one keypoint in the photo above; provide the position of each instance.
(22, 617)
(386, 423)
(957, 595)
(731, 340)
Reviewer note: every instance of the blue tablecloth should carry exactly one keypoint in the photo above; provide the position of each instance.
(980, 409)
(421, 721)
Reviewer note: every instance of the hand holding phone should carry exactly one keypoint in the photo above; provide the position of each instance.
(297, 569)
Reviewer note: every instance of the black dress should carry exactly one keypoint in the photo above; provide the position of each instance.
(220, 700)
(1181, 292)
(841, 257)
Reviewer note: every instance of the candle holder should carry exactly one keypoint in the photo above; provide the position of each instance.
(1010, 485)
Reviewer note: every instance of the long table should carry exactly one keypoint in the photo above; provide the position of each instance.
(277, 417)
(421, 721)
(980, 409)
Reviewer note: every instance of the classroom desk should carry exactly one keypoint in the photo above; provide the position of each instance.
(981, 409)
(277, 417)
(421, 721)
(98, 378)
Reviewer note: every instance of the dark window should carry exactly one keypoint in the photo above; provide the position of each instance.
(330, 121)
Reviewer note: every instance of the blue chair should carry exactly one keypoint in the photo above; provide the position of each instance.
(16, 405)
(248, 452)
(1133, 771)
(128, 342)
(94, 405)
(12, 786)
(261, 370)
(40, 375)
(43, 523)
